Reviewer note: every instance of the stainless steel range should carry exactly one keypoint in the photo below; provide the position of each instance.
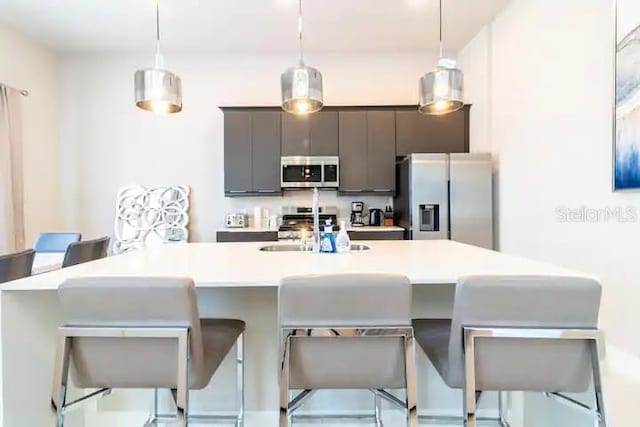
(297, 222)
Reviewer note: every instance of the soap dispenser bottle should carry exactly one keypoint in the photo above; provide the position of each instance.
(343, 242)
(328, 241)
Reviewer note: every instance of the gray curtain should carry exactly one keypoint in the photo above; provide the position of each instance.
(11, 172)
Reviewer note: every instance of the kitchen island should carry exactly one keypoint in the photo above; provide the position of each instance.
(236, 280)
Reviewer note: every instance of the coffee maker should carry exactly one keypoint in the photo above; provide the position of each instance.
(357, 214)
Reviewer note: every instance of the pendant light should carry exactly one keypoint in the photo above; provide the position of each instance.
(156, 89)
(441, 90)
(301, 85)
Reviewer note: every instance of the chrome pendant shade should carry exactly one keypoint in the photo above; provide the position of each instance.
(301, 90)
(301, 86)
(442, 90)
(156, 89)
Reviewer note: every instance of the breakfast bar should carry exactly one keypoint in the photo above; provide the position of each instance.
(237, 280)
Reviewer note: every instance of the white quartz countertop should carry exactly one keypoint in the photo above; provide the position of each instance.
(244, 265)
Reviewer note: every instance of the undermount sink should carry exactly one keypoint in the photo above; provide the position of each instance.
(355, 247)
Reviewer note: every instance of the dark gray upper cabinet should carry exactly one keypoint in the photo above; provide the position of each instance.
(237, 152)
(353, 151)
(310, 135)
(367, 151)
(251, 152)
(295, 135)
(418, 133)
(323, 133)
(367, 139)
(381, 151)
(265, 137)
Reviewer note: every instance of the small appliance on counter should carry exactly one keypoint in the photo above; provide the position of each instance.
(388, 216)
(357, 214)
(236, 220)
(375, 217)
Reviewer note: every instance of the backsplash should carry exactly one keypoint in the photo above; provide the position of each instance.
(302, 198)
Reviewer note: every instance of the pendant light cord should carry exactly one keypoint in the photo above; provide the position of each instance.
(159, 60)
(441, 29)
(300, 30)
(158, 22)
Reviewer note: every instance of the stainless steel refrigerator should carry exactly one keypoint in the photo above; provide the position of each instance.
(446, 196)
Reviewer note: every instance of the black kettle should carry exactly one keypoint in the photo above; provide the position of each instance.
(376, 217)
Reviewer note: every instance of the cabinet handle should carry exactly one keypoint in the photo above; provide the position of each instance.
(382, 190)
(237, 191)
(268, 191)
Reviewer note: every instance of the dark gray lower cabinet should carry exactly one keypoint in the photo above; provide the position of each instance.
(247, 236)
(252, 152)
(376, 235)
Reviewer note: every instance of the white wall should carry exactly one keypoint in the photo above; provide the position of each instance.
(475, 62)
(548, 70)
(107, 142)
(25, 64)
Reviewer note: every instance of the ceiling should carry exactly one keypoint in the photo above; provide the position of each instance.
(248, 26)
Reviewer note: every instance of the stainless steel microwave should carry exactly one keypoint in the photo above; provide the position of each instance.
(310, 171)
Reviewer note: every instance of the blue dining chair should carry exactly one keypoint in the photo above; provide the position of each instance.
(55, 242)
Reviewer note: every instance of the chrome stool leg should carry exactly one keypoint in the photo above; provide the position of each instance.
(378, 410)
(469, 389)
(601, 420)
(60, 378)
(502, 410)
(154, 410)
(410, 380)
(182, 393)
(240, 379)
(284, 385)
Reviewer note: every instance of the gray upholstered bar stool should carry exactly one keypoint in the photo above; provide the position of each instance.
(85, 251)
(519, 333)
(124, 332)
(16, 266)
(346, 332)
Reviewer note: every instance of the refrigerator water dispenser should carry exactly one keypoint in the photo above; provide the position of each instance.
(429, 217)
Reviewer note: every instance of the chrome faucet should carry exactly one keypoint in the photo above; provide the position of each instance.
(316, 220)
